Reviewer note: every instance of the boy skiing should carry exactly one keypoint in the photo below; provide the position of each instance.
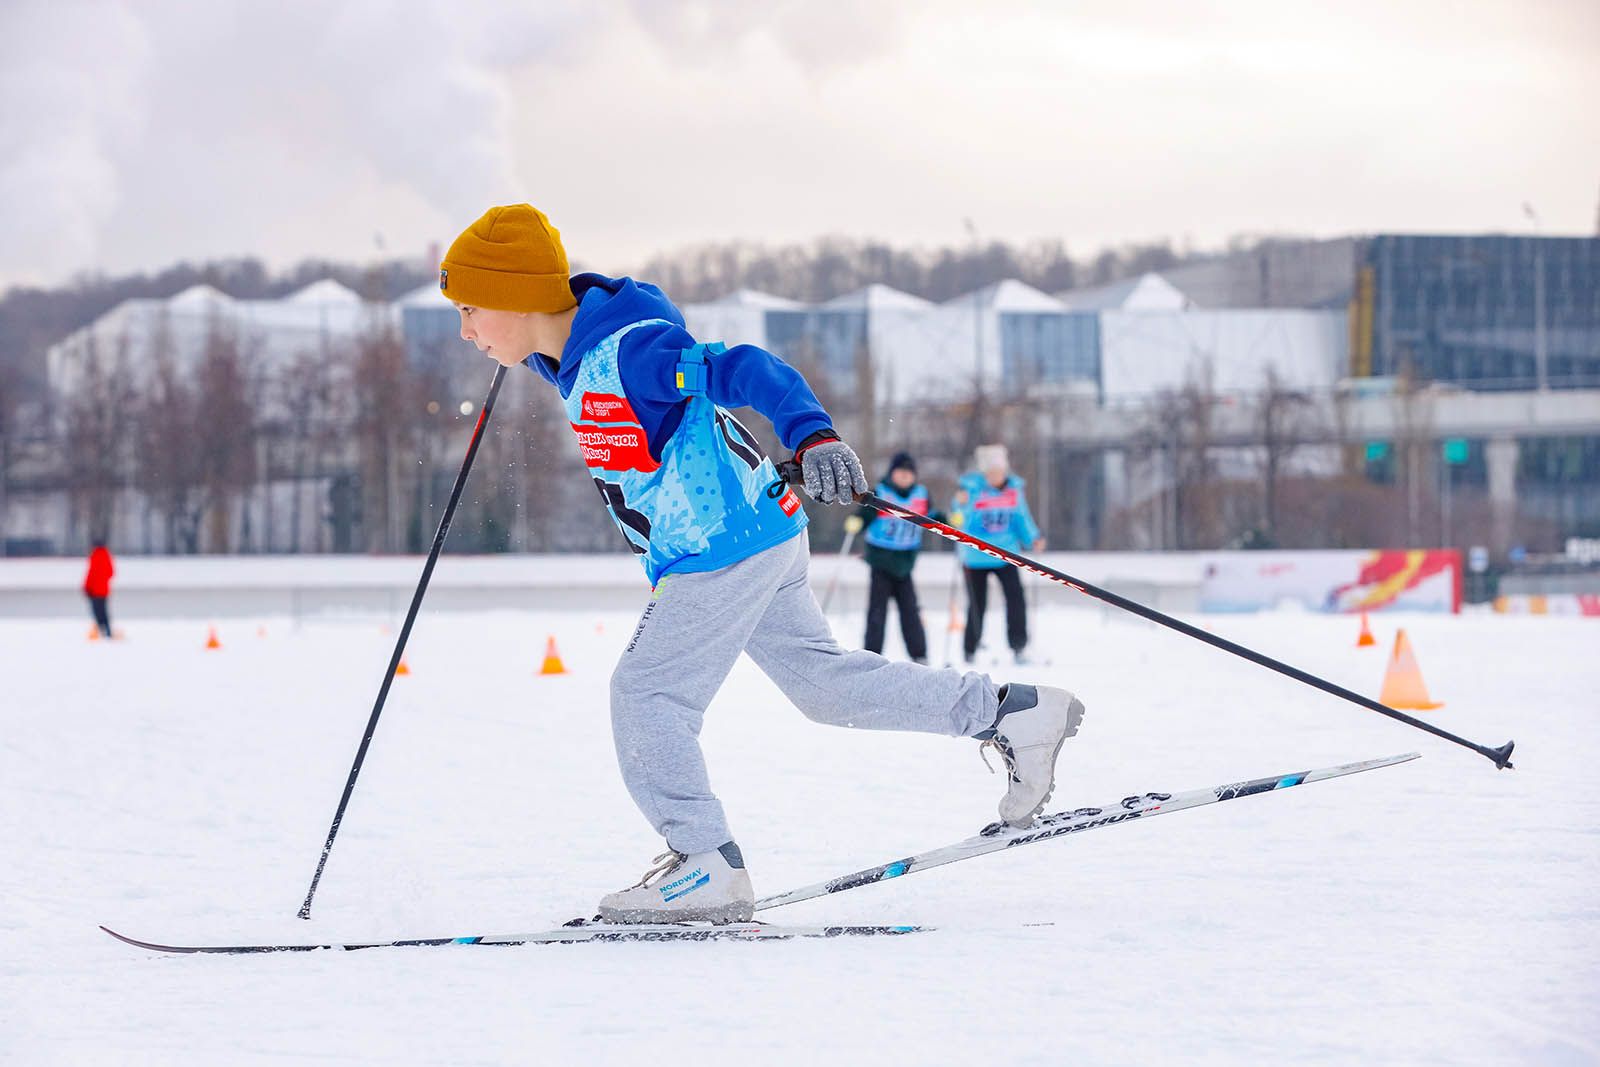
(722, 540)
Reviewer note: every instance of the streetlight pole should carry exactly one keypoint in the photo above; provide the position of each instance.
(1539, 354)
(977, 324)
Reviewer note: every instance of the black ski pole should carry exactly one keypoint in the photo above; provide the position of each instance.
(405, 632)
(1501, 757)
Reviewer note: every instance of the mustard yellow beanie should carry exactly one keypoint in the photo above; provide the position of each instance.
(511, 259)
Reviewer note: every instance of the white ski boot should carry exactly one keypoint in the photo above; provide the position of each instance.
(709, 887)
(1034, 722)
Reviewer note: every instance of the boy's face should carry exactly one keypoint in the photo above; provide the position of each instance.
(504, 336)
(903, 478)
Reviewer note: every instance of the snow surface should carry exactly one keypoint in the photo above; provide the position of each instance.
(1437, 912)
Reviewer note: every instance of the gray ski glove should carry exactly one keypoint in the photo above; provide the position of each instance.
(830, 468)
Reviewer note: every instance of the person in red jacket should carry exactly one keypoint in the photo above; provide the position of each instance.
(97, 585)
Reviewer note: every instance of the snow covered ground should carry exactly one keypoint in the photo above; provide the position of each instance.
(1437, 912)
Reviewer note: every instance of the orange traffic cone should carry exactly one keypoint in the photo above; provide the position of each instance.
(402, 669)
(1366, 637)
(94, 633)
(956, 625)
(211, 639)
(1402, 682)
(552, 659)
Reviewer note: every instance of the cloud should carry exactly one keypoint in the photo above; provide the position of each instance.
(819, 37)
(62, 131)
(160, 129)
(139, 132)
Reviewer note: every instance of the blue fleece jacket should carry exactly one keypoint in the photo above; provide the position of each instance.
(742, 376)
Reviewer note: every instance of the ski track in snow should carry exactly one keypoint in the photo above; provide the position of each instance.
(1440, 912)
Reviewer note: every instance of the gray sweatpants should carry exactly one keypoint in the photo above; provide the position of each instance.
(688, 639)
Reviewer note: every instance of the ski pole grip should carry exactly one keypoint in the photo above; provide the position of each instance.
(792, 472)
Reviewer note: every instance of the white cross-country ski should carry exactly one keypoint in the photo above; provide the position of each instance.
(997, 836)
(994, 838)
(572, 933)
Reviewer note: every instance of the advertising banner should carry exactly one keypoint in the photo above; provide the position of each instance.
(1419, 579)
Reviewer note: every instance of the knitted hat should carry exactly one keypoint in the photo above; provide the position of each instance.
(511, 259)
(988, 457)
(902, 461)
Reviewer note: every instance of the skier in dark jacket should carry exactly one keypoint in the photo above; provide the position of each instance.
(891, 553)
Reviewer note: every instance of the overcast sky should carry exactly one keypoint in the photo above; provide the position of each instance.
(135, 134)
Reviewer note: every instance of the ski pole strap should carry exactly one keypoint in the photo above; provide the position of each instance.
(691, 369)
(1501, 757)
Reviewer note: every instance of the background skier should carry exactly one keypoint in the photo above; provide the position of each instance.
(990, 503)
(891, 553)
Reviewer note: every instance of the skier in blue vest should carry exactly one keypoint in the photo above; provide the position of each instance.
(722, 539)
(891, 553)
(990, 503)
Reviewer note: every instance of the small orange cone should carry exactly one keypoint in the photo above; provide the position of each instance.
(211, 639)
(552, 659)
(1402, 682)
(94, 633)
(402, 669)
(1366, 639)
(956, 625)
(261, 631)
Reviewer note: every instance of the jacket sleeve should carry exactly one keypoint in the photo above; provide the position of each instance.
(1022, 523)
(742, 376)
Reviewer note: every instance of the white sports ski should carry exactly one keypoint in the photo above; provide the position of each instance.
(997, 837)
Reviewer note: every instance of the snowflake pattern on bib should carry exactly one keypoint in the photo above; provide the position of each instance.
(711, 499)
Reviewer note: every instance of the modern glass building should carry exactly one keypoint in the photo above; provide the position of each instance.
(1483, 313)
(1048, 347)
(831, 340)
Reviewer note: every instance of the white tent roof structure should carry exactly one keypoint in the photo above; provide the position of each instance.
(198, 297)
(877, 297)
(327, 291)
(1008, 295)
(1148, 292)
(754, 298)
(273, 332)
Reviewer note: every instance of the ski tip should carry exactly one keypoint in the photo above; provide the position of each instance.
(126, 940)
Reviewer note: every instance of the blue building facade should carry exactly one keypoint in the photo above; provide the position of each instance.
(1049, 348)
(1475, 311)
